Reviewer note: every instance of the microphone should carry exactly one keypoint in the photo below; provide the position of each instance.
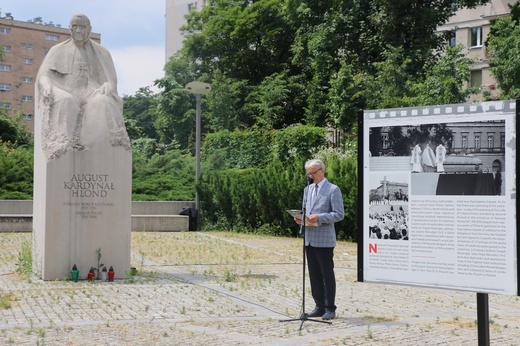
(309, 180)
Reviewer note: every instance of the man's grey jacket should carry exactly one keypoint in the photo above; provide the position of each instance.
(328, 204)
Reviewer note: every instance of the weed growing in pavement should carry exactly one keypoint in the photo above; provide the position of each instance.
(31, 328)
(230, 276)
(427, 328)
(141, 262)
(99, 264)
(24, 263)
(370, 336)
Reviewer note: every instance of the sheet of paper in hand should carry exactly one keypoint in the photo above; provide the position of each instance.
(299, 215)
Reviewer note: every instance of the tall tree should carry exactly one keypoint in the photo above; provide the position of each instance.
(276, 63)
(503, 46)
(139, 112)
(175, 117)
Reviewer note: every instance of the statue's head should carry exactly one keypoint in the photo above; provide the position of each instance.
(80, 28)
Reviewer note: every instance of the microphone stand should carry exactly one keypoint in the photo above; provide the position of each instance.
(304, 316)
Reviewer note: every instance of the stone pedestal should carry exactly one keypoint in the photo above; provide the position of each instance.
(82, 206)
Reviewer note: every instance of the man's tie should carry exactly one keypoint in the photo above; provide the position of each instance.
(315, 195)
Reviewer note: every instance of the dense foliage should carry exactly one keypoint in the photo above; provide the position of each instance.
(16, 158)
(255, 199)
(13, 130)
(283, 73)
(275, 63)
(16, 171)
(503, 47)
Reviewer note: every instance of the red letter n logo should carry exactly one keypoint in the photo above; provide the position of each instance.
(372, 248)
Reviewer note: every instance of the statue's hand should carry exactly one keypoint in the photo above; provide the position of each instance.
(106, 89)
(47, 93)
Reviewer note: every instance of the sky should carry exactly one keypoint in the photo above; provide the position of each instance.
(132, 30)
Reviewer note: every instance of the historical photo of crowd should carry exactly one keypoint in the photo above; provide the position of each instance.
(464, 158)
(388, 211)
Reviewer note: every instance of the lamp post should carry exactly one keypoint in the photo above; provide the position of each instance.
(198, 89)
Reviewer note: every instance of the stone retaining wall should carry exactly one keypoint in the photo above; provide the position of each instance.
(161, 216)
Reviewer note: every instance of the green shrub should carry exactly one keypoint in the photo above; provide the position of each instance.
(237, 149)
(255, 200)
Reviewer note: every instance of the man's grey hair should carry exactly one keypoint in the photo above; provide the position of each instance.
(315, 163)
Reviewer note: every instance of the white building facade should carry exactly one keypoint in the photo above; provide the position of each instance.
(176, 10)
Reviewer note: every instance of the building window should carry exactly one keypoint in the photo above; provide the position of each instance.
(5, 105)
(452, 39)
(464, 141)
(29, 45)
(4, 86)
(22, 45)
(502, 140)
(5, 31)
(475, 37)
(26, 80)
(6, 68)
(26, 116)
(477, 142)
(192, 6)
(26, 98)
(490, 141)
(476, 79)
(7, 49)
(27, 61)
(50, 37)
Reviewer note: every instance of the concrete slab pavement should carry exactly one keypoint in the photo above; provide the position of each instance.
(240, 302)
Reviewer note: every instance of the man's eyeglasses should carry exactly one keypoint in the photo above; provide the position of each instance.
(313, 173)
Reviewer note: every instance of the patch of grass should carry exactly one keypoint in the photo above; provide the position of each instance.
(380, 318)
(6, 300)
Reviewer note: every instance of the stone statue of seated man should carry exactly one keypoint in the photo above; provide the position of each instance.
(76, 95)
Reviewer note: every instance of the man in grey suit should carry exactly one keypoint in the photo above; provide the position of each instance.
(324, 207)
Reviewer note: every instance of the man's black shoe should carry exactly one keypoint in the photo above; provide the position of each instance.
(328, 315)
(317, 312)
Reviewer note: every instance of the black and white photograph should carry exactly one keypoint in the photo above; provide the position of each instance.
(459, 158)
(388, 211)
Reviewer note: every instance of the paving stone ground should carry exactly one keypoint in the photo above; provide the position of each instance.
(197, 288)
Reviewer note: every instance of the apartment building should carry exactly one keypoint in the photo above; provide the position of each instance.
(176, 10)
(471, 28)
(25, 44)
